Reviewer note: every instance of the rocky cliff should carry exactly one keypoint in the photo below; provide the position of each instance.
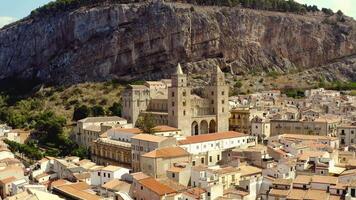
(146, 40)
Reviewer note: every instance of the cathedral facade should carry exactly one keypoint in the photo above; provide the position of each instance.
(171, 102)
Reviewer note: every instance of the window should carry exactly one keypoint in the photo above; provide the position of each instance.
(193, 163)
(173, 175)
(104, 175)
(108, 175)
(222, 101)
(184, 112)
(208, 194)
(212, 101)
(184, 103)
(184, 94)
(98, 173)
(141, 187)
(210, 158)
(353, 192)
(172, 103)
(223, 93)
(218, 157)
(172, 94)
(212, 93)
(173, 112)
(202, 160)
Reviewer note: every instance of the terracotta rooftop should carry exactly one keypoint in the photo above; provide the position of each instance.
(296, 194)
(116, 185)
(302, 179)
(211, 137)
(316, 195)
(279, 193)
(324, 179)
(166, 152)
(139, 175)
(156, 187)
(127, 130)
(7, 180)
(195, 192)
(77, 190)
(281, 181)
(164, 128)
(149, 137)
(247, 170)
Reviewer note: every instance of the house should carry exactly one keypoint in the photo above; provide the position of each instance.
(155, 163)
(347, 134)
(144, 143)
(90, 128)
(102, 175)
(113, 186)
(207, 149)
(150, 188)
(78, 191)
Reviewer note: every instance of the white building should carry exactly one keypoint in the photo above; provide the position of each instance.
(90, 128)
(122, 134)
(102, 175)
(261, 128)
(347, 134)
(207, 148)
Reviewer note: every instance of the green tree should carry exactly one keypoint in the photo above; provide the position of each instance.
(146, 123)
(50, 126)
(97, 111)
(115, 109)
(81, 112)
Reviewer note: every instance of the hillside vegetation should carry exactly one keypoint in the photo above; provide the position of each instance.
(271, 5)
(49, 112)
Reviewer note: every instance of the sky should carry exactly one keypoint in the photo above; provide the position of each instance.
(12, 10)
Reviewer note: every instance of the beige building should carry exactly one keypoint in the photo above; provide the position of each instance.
(240, 120)
(105, 151)
(157, 162)
(174, 104)
(145, 187)
(144, 143)
(90, 128)
(347, 134)
(319, 126)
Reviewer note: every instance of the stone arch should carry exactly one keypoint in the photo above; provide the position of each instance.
(204, 128)
(195, 128)
(212, 126)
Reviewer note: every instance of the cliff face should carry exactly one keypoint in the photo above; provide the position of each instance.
(145, 40)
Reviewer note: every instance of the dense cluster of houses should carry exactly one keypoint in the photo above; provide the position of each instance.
(277, 148)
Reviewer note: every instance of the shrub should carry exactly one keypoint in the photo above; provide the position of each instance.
(81, 112)
(115, 109)
(97, 111)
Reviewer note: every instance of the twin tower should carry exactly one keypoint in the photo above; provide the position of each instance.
(193, 114)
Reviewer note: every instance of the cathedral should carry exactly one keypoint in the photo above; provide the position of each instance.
(171, 102)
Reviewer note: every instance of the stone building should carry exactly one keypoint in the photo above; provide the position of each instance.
(144, 143)
(105, 151)
(240, 120)
(114, 147)
(171, 102)
(90, 128)
(347, 134)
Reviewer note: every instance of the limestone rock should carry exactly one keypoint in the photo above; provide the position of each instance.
(147, 40)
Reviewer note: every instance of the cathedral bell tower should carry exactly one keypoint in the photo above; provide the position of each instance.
(179, 106)
(219, 98)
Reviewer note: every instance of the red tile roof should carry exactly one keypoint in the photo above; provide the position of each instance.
(211, 137)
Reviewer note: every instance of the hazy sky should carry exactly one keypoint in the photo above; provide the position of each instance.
(346, 6)
(12, 10)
